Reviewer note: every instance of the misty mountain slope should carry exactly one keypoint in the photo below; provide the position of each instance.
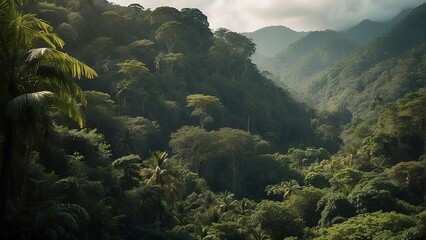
(305, 57)
(367, 30)
(389, 67)
(294, 66)
(270, 40)
(297, 76)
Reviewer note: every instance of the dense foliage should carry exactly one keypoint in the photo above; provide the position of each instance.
(184, 138)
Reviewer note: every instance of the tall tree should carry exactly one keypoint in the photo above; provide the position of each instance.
(203, 106)
(132, 68)
(170, 33)
(165, 63)
(161, 178)
(192, 145)
(164, 14)
(239, 48)
(34, 80)
(238, 145)
(197, 28)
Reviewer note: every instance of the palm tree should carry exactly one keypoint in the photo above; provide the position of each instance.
(155, 169)
(207, 198)
(210, 216)
(286, 188)
(226, 200)
(289, 187)
(162, 179)
(33, 81)
(243, 207)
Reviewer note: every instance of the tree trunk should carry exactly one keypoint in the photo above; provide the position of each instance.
(201, 123)
(158, 217)
(244, 70)
(24, 180)
(248, 123)
(234, 173)
(5, 170)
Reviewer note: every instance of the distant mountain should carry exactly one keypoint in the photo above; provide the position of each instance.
(367, 30)
(270, 40)
(297, 75)
(391, 66)
(294, 66)
(307, 56)
(296, 50)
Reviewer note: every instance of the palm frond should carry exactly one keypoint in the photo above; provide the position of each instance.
(34, 29)
(40, 102)
(152, 180)
(157, 158)
(77, 210)
(26, 109)
(63, 62)
(49, 71)
(54, 80)
(70, 108)
(3, 11)
(24, 31)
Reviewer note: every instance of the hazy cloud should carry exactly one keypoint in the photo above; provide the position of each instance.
(249, 15)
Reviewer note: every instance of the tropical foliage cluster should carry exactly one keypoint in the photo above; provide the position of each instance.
(173, 133)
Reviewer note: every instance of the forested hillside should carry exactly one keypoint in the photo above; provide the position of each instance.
(133, 123)
(306, 57)
(149, 68)
(295, 65)
(366, 31)
(387, 69)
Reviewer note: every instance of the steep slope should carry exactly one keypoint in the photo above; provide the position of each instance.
(293, 67)
(297, 76)
(272, 39)
(367, 30)
(145, 78)
(296, 50)
(364, 32)
(388, 68)
(305, 55)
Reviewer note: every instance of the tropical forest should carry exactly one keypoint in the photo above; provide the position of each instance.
(125, 122)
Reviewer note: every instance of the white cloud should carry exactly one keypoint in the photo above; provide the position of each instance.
(249, 15)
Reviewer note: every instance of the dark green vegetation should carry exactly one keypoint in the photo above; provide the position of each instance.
(184, 138)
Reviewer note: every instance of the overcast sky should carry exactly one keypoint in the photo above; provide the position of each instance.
(301, 15)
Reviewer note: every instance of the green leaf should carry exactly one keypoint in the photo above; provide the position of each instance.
(39, 102)
(63, 62)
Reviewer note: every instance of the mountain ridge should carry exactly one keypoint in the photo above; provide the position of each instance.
(289, 73)
(270, 40)
(389, 67)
